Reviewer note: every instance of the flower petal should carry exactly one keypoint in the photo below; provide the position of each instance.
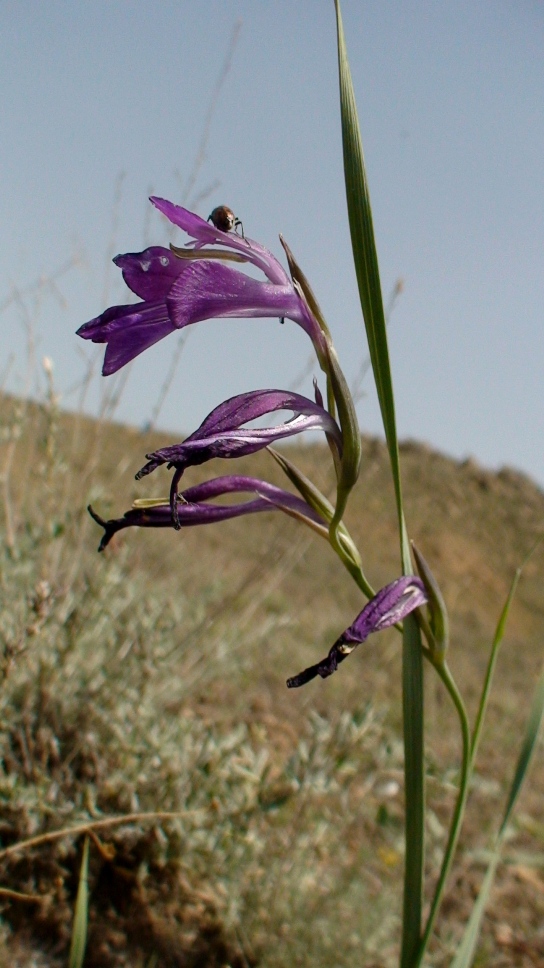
(205, 233)
(208, 290)
(221, 434)
(128, 331)
(193, 509)
(151, 273)
(180, 291)
(389, 606)
(193, 224)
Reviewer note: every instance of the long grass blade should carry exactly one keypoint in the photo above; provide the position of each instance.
(366, 258)
(527, 750)
(370, 293)
(467, 948)
(79, 931)
(497, 640)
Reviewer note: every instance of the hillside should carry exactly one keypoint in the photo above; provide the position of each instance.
(152, 678)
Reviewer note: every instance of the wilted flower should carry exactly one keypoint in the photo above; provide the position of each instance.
(193, 508)
(222, 433)
(389, 606)
(183, 286)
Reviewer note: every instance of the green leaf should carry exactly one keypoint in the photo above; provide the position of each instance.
(497, 640)
(529, 742)
(366, 267)
(470, 748)
(370, 293)
(467, 948)
(79, 931)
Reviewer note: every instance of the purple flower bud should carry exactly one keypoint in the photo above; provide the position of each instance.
(389, 606)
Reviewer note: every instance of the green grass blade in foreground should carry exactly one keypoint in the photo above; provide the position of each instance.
(79, 931)
(466, 951)
(527, 750)
(497, 639)
(366, 263)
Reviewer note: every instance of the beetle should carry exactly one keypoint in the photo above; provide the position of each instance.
(225, 220)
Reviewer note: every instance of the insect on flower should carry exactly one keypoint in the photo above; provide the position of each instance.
(176, 292)
(225, 220)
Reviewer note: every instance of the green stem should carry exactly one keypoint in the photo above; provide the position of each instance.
(413, 717)
(457, 819)
(414, 785)
(354, 569)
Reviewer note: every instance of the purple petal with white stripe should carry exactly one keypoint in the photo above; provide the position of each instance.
(222, 433)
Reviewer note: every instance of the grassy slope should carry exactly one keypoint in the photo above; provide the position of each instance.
(153, 678)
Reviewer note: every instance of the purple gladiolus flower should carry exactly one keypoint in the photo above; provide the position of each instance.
(222, 433)
(390, 605)
(180, 287)
(194, 509)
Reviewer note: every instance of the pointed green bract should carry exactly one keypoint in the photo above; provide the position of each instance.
(348, 465)
(300, 279)
(345, 546)
(437, 608)
(350, 462)
(304, 485)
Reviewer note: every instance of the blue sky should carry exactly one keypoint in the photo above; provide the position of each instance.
(450, 99)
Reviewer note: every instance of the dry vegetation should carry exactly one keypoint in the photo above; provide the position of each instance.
(152, 679)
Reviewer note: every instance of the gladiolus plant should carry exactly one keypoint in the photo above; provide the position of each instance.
(183, 285)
